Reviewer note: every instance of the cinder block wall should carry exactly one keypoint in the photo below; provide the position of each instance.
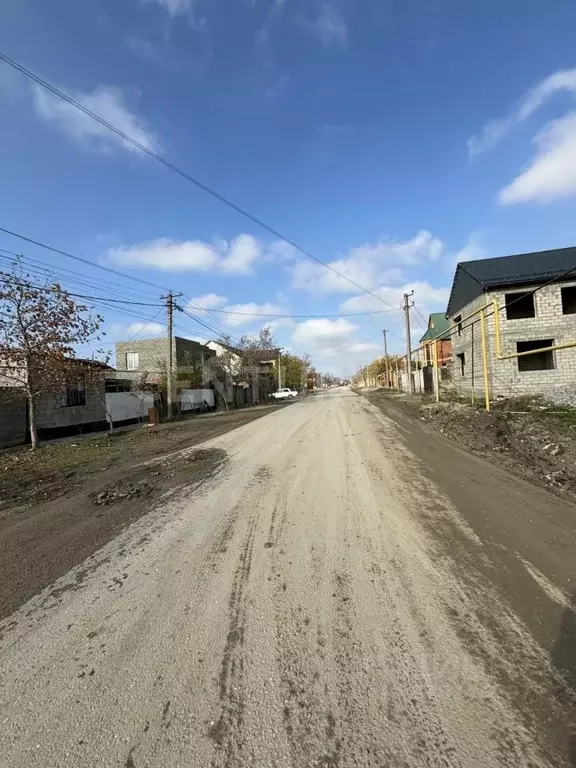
(52, 411)
(505, 379)
(152, 353)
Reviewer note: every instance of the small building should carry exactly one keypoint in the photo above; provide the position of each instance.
(535, 294)
(437, 332)
(78, 405)
(89, 398)
(137, 357)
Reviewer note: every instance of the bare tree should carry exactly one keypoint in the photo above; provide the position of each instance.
(95, 378)
(142, 388)
(39, 328)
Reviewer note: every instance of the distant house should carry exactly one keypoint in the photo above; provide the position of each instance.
(262, 380)
(232, 355)
(438, 325)
(437, 341)
(536, 297)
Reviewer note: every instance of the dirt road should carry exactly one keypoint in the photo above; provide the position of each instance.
(341, 591)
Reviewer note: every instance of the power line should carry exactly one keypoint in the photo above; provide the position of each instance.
(105, 269)
(81, 278)
(415, 308)
(342, 349)
(26, 284)
(205, 325)
(84, 261)
(269, 314)
(79, 258)
(204, 187)
(145, 325)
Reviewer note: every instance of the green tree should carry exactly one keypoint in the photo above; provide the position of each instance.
(294, 371)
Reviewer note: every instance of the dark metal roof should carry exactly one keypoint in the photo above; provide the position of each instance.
(474, 277)
(523, 267)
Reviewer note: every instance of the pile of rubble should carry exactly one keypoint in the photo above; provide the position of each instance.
(562, 396)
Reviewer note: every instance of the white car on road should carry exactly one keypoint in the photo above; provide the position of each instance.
(284, 394)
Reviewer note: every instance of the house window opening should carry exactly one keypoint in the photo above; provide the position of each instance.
(462, 362)
(519, 306)
(569, 300)
(539, 361)
(75, 393)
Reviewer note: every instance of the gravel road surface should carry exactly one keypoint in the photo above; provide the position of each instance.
(342, 590)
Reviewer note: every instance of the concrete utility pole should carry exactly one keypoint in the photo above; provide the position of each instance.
(170, 306)
(386, 361)
(408, 340)
(169, 315)
(279, 371)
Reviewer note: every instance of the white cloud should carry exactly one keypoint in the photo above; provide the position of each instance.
(199, 304)
(322, 334)
(238, 256)
(329, 25)
(472, 251)
(108, 103)
(145, 329)
(495, 130)
(551, 174)
(333, 345)
(167, 255)
(174, 7)
(425, 296)
(250, 312)
(278, 323)
(368, 265)
(141, 329)
(145, 49)
(241, 254)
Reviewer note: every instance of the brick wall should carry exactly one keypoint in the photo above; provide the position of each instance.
(505, 378)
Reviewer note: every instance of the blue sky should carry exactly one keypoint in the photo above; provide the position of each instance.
(390, 138)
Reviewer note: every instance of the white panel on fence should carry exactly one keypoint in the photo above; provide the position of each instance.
(127, 405)
(191, 399)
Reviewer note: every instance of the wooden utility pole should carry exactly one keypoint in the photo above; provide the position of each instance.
(386, 361)
(408, 340)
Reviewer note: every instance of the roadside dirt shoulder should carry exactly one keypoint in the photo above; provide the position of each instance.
(60, 505)
(531, 440)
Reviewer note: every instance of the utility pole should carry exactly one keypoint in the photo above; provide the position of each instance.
(170, 306)
(279, 371)
(408, 340)
(169, 315)
(386, 361)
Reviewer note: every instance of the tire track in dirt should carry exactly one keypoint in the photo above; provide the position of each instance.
(226, 732)
(487, 630)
